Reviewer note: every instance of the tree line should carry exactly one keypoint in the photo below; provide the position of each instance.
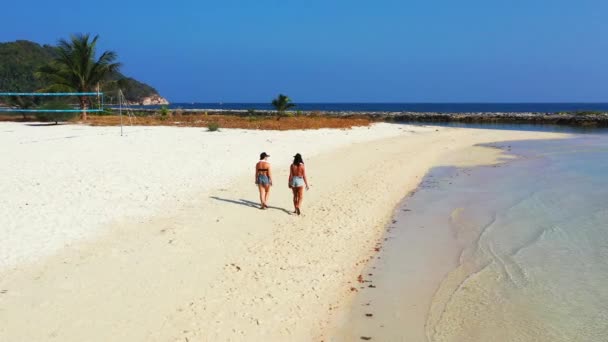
(29, 67)
(73, 66)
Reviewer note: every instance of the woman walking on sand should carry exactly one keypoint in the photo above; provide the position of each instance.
(263, 179)
(297, 181)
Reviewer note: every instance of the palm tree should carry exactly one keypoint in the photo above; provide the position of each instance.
(75, 68)
(282, 103)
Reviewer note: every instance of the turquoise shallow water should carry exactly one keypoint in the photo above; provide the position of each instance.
(527, 244)
(535, 263)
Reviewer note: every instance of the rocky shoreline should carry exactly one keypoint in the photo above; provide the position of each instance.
(572, 119)
(152, 100)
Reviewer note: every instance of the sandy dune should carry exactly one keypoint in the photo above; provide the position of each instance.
(156, 237)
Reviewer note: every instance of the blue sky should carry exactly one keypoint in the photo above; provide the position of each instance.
(342, 51)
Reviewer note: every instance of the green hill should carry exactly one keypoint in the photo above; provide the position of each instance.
(19, 61)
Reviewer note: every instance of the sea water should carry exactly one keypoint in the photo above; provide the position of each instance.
(517, 252)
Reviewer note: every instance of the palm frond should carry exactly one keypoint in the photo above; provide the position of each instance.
(282, 103)
(75, 67)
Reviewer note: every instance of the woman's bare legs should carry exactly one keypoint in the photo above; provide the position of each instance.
(263, 195)
(300, 197)
(266, 195)
(295, 199)
(298, 193)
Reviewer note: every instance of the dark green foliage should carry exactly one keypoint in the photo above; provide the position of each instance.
(76, 68)
(56, 116)
(133, 90)
(213, 127)
(282, 103)
(105, 112)
(23, 102)
(164, 110)
(20, 60)
(164, 113)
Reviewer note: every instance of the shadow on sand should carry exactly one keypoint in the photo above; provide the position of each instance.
(249, 204)
(44, 124)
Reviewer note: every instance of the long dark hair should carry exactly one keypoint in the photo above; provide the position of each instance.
(297, 159)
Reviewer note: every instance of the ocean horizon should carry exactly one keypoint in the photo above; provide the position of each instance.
(457, 107)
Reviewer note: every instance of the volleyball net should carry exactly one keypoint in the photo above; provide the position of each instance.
(63, 106)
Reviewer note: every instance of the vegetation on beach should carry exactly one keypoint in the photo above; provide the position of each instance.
(265, 122)
(164, 112)
(23, 102)
(213, 126)
(20, 60)
(282, 104)
(55, 116)
(75, 69)
(315, 119)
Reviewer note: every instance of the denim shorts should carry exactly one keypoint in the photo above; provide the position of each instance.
(297, 182)
(262, 180)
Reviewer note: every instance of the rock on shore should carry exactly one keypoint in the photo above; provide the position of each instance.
(153, 100)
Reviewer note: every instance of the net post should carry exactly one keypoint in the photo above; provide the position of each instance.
(120, 108)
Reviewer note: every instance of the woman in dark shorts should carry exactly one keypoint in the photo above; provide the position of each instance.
(297, 181)
(263, 179)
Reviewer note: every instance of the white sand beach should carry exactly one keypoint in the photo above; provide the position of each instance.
(155, 236)
(64, 183)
